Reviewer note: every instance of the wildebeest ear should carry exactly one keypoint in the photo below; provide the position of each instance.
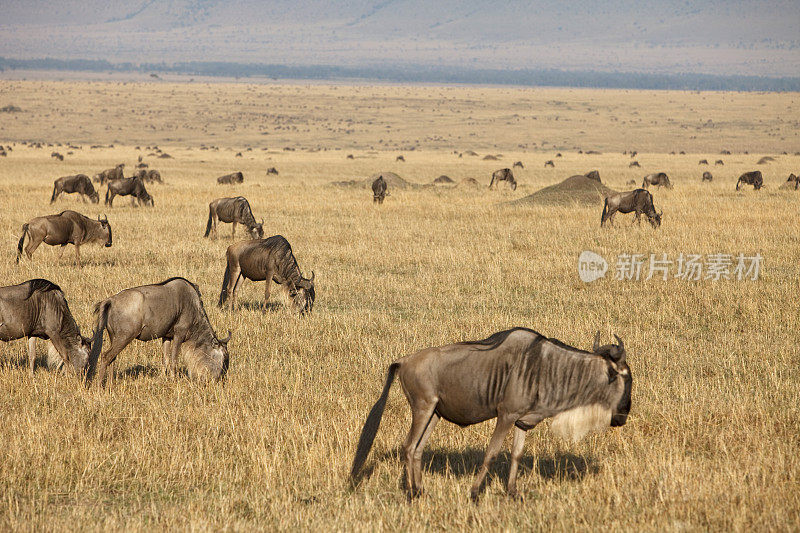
(612, 374)
(596, 345)
(618, 354)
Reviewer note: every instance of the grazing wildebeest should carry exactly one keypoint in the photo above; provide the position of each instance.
(267, 260)
(56, 155)
(379, 190)
(400, 158)
(753, 178)
(707, 176)
(79, 183)
(504, 174)
(133, 187)
(634, 153)
(115, 173)
(236, 210)
(35, 309)
(549, 163)
(518, 164)
(659, 179)
(593, 175)
(146, 176)
(719, 162)
(638, 201)
(634, 164)
(517, 376)
(67, 227)
(703, 162)
(230, 179)
(272, 170)
(792, 182)
(350, 156)
(171, 311)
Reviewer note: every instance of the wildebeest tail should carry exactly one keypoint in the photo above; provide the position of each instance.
(208, 224)
(371, 425)
(55, 189)
(21, 241)
(605, 211)
(101, 310)
(223, 295)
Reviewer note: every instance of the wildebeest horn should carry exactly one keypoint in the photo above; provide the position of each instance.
(226, 339)
(619, 343)
(596, 345)
(311, 279)
(262, 221)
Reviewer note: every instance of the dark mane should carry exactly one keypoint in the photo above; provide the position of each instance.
(495, 340)
(180, 278)
(41, 286)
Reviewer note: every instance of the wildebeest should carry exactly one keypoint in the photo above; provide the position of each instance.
(269, 259)
(379, 190)
(504, 174)
(792, 182)
(753, 178)
(400, 158)
(634, 153)
(549, 163)
(230, 179)
(638, 201)
(115, 173)
(518, 164)
(518, 377)
(35, 309)
(719, 162)
(67, 227)
(79, 183)
(634, 164)
(236, 210)
(707, 176)
(56, 155)
(272, 170)
(171, 311)
(133, 187)
(146, 176)
(593, 175)
(659, 179)
(703, 162)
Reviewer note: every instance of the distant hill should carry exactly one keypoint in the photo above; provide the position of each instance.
(746, 37)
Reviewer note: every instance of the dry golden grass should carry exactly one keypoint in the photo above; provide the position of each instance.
(712, 441)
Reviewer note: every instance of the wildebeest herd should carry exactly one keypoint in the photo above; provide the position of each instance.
(518, 376)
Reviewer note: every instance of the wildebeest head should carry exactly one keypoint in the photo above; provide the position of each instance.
(618, 367)
(208, 361)
(94, 197)
(105, 227)
(655, 218)
(78, 361)
(303, 295)
(257, 231)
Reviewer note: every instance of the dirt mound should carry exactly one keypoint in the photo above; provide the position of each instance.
(393, 181)
(574, 190)
(766, 159)
(469, 182)
(489, 158)
(443, 180)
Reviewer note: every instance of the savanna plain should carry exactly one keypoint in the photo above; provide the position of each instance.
(712, 441)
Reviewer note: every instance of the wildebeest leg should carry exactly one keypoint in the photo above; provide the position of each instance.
(33, 243)
(420, 447)
(516, 453)
(108, 357)
(504, 424)
(166, 347)
(267, 282)
(637, 217)
(133, 201)
(173, 357)
(233, 231)
(61, 251)
(421, 419)
(236, 282)
(83, 197)
(31, 353)
(214, 223)
(611, 218)
(78, 256)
